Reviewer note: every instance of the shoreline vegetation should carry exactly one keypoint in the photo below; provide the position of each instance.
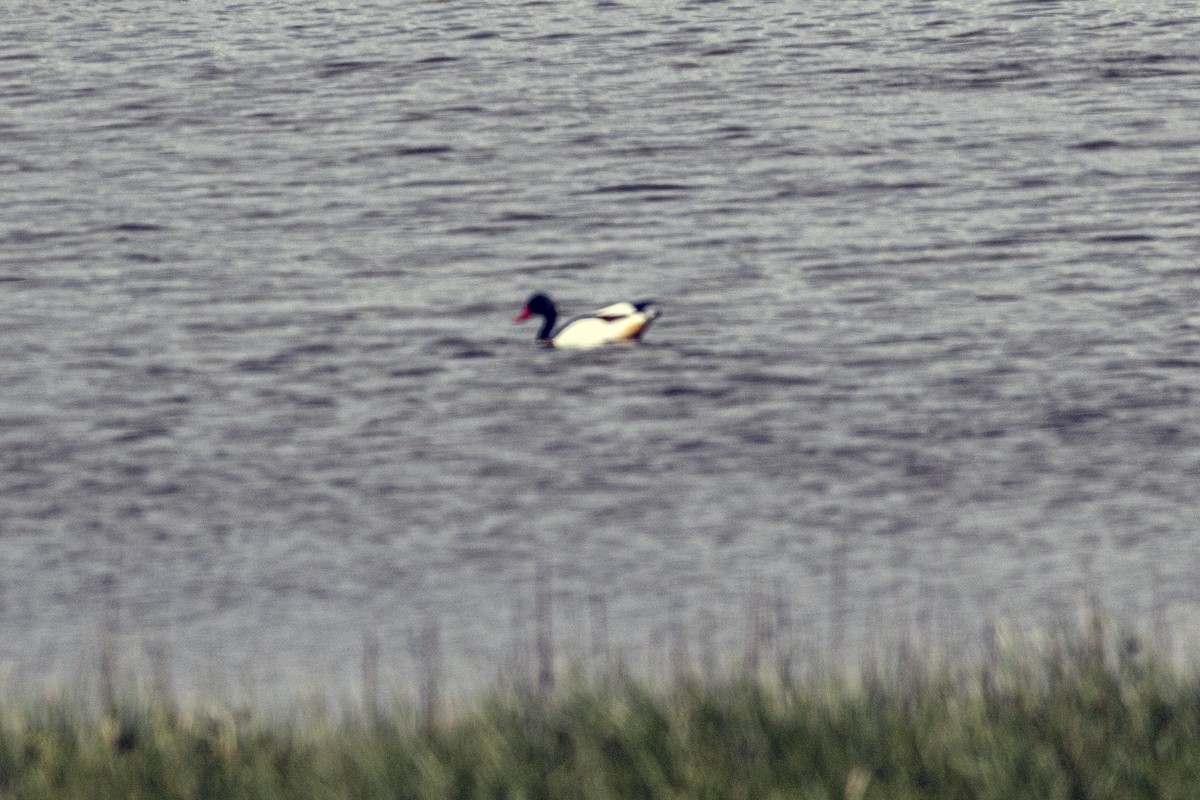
(1083, 711)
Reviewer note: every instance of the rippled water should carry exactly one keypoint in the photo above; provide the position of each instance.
(928, 349)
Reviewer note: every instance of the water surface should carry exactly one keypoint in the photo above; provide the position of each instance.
(928, 350)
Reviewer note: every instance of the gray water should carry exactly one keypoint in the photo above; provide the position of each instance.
(928, 352)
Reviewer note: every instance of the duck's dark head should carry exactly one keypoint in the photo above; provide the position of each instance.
(539, 305)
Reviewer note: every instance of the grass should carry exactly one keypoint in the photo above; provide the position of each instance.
(1085, 715)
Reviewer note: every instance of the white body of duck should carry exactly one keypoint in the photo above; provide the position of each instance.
(620, 322)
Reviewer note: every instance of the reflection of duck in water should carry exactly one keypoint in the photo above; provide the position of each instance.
(620, 322)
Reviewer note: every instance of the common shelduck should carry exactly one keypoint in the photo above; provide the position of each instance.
(620, 322)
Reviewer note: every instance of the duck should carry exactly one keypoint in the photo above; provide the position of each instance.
(621, 322)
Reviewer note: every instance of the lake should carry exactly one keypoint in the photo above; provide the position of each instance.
(929, 351)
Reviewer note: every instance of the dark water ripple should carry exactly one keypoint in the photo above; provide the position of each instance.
(929, 286)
